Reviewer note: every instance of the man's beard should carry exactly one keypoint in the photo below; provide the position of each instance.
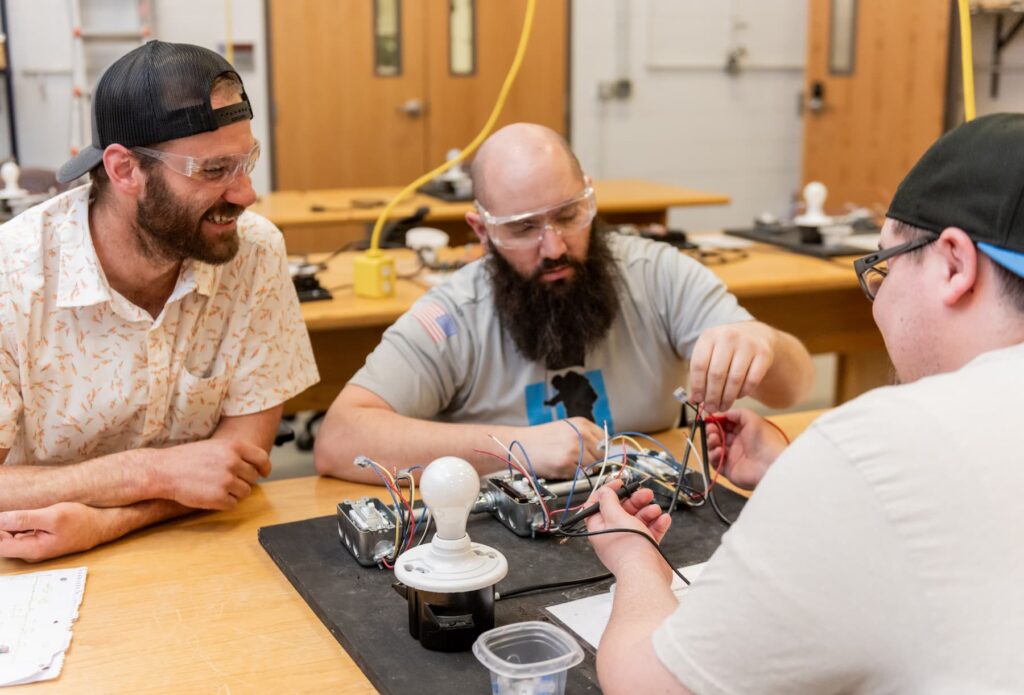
(167, 230)
(556, 323)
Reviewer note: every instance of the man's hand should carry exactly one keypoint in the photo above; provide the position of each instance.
(730, 361)
(752, 445)
(210, 474)
(554, 448)
(619, 551)
(41, 534)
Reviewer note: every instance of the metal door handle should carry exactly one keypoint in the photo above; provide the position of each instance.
(816, 104)
(412, 108)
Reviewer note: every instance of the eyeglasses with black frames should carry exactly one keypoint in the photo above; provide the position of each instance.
(872, 269)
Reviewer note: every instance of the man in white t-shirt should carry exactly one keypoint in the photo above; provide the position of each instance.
(880, 551)
(149, 329)
(563, 323)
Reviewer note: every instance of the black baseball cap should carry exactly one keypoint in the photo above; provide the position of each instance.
(972, 178)
(160, 91)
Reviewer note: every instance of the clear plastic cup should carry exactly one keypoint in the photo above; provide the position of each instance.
(530, 658)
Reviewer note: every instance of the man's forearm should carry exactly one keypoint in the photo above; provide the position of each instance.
(791, 375)
(141, 514)
(115, 480)
(626, 660)
(400, 441)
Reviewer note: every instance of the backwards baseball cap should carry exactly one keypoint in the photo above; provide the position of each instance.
(159, 91)
(972, 178)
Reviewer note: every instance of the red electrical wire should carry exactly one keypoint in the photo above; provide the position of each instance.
(721, 459)
(717, 422)
(779, 430)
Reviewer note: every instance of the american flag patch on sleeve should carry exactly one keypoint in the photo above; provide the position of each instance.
(438, 324)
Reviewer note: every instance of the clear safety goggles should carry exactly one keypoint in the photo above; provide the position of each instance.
(526, 229)
(209, 169)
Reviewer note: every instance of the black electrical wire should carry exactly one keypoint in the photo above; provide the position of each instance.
(685, 461)
(585, 534)
(710, 493)
(552, 586)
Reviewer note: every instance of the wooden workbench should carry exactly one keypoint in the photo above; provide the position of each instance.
(195, 605)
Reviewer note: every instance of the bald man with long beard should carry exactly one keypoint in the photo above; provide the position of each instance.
(563, 329)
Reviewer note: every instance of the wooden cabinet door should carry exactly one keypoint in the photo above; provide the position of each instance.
(872, 125)
(339, 125)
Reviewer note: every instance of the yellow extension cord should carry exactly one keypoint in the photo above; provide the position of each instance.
(374, 273)
(966, 59)
(229, 44)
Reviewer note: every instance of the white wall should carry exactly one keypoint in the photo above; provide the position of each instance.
(688, 122)
(40, 39)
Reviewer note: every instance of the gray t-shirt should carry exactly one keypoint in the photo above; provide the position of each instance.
(881, 553)
(448, 359)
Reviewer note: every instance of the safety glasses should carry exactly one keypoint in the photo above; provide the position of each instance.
(527, 229)
(208, 169)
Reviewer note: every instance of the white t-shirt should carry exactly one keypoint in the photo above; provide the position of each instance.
(84, 372)
(448, 358)
(881, 553)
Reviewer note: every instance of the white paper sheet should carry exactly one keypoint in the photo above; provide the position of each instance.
(36, 613)
(588, 617)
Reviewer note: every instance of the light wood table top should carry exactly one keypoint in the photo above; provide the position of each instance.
(769, 271)
(764, 271)
(195, 605)
(345, 205)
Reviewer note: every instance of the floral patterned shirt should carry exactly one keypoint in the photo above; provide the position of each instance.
(84, 372)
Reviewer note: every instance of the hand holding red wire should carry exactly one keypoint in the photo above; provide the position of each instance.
(743, 445)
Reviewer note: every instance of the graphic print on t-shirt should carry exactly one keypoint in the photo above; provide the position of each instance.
(569, 394)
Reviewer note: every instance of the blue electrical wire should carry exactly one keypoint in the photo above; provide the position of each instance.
(387, 485)
(529, 466)
(579, 465)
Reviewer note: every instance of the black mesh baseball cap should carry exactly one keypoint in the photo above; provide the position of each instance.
(160, 91)
(972, 178)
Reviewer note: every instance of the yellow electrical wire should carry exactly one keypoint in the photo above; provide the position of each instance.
(398, 493)
(524, 39)
(626, 438)
(412, 504)
(229, 44)
(966, 59)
